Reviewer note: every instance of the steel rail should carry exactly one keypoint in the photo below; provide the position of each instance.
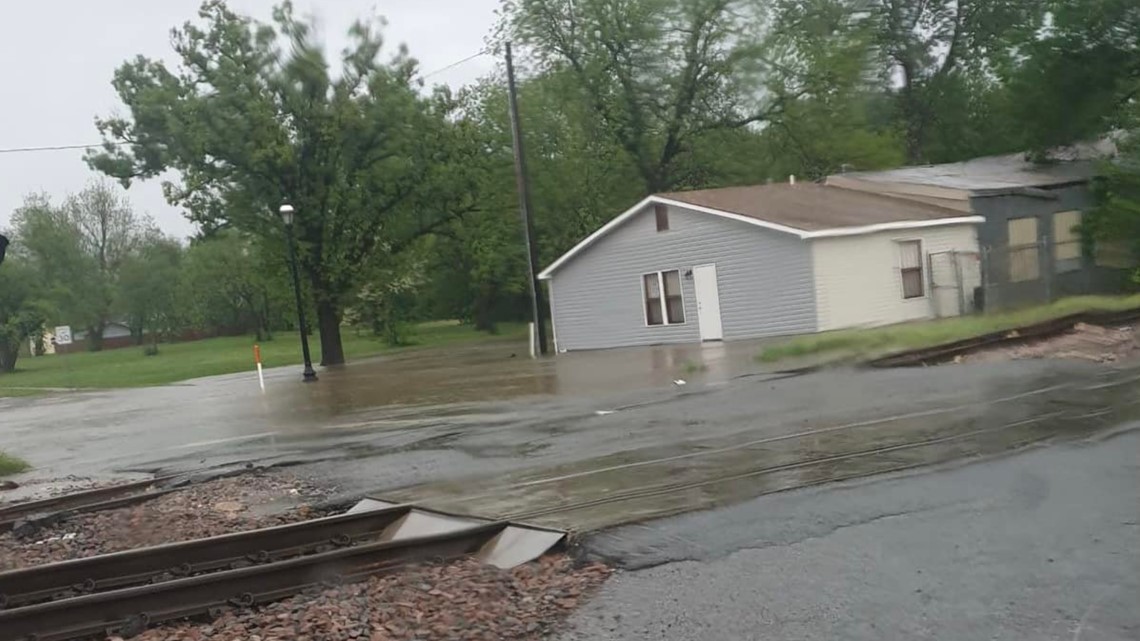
(128, 611)
(87, 500)
(186, 558)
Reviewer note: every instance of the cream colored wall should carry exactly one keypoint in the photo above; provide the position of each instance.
(857, 279)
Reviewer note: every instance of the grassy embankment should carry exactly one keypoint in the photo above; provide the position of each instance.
(11, 465)
(881, 340)
(129, 367)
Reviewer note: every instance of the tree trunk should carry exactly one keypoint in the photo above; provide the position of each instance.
(328, 320)
(95, 337)
(8, 355)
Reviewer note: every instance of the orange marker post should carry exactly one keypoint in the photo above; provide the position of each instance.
(257, 360)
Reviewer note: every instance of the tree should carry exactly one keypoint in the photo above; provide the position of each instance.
(657, 74)
(228, 284)
(1080, 78)
(254, 115)
(148, 286)
(80, 248)
(827, 127)
(22, 313)
(928, 45)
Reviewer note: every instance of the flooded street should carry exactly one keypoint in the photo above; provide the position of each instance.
(383, 403)
(581, 441)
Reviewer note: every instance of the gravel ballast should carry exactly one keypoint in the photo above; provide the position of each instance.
(220, 506)
(465, 600)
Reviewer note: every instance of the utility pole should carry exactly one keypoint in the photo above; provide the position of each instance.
(537, 305)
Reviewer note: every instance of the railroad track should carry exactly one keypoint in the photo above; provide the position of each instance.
(103, 498)
(124, 592)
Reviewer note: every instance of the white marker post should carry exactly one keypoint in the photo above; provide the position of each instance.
(257, 360)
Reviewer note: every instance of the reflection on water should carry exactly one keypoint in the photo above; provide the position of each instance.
(501, 371)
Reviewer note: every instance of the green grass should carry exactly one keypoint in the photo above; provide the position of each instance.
(11, 465)
(129, 367)
(881, 340)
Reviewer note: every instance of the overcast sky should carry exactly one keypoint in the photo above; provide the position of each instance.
(57, 58)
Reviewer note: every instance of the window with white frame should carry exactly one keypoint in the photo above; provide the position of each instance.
(664, 304)
(910, 268)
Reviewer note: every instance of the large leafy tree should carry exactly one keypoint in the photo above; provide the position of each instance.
(657, 75)
(80, 248)
(826, 54)
(1081, 77)
(255, 114)
(927, 47)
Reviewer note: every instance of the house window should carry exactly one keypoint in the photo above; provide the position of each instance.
(664, 304)
(1023, 261)
(662, 213)
(910, 267)
(1066, 241)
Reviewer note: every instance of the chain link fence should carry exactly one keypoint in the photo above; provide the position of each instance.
(964, 282)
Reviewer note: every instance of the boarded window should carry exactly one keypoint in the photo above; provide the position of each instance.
(910, 266)
(1066, 241)
(664, 303)
(662, 213)
(1023, 259)
(1114, 254)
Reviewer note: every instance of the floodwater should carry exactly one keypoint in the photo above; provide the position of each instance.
(225, 419)
(702, 473)
(580, 441)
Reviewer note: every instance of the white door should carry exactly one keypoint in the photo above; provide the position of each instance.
(708, 302)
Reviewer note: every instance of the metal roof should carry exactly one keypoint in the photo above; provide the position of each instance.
(981, 176)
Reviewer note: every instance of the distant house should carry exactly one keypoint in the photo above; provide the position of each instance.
(1030, 249)
(115, 336)
(746, 262)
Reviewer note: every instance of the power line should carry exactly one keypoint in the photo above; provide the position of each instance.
(17, 150)
(455, 64)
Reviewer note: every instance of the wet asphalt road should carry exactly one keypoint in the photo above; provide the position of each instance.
(1042, 545)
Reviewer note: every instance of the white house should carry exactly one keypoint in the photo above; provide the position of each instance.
(746, 262)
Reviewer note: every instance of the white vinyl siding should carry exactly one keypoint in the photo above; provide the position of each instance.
(858, 279)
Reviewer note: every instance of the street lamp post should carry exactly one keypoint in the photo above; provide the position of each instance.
(287, 212)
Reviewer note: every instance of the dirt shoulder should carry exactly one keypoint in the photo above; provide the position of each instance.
(1083, 342)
